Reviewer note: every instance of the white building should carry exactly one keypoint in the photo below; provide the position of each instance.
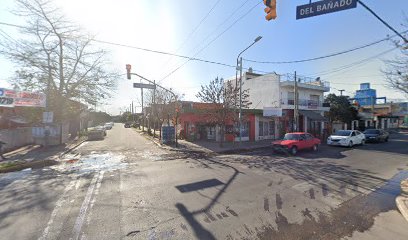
(272, 104)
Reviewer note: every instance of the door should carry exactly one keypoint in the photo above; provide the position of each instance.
(310, 140)
(303, 143)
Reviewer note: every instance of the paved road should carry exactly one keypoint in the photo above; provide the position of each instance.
(125, 187)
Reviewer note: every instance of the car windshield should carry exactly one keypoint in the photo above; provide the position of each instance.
(342, 133)
(290, 136)
(372, 131)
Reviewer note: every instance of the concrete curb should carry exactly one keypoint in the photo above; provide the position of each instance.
(402, 204)
(75, 145)
(228, 151)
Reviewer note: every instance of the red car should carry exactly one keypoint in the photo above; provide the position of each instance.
(293, 142)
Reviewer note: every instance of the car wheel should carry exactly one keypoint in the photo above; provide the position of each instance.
(315, 148)
(350, 144)
(293, 150)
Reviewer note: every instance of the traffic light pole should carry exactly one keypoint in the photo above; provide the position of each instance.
(165, 89)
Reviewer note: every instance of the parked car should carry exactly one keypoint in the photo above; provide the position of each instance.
(108, 126)
(376, 135)
(293, 142)
(127, 125)
(96, 133)
(102, 128)
(346, 138)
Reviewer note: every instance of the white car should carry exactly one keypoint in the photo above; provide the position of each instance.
(347, 138)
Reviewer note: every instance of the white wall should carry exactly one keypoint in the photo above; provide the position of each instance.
(303, 93)
(263, 91)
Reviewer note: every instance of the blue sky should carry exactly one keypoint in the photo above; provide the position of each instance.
(165, 25)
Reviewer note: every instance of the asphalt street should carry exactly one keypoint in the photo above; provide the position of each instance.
(126, 187)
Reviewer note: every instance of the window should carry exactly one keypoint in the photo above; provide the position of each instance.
(260, 124)
(265, 129)
(272, 128)
(302, 137)
(309, 137)
(353, 134)
(245, 129)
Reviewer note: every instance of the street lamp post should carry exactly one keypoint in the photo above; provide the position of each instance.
(239, 62)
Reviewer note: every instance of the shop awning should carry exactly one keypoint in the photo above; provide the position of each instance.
(312, 115)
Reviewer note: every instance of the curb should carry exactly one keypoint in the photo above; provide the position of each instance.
(402, 204)
(71, 148)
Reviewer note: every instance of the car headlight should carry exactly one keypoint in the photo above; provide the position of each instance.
(328, 139)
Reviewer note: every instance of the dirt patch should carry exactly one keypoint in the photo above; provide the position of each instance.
(18, 166)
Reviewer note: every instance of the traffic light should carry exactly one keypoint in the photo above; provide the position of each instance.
(270, 9)
(128, 68)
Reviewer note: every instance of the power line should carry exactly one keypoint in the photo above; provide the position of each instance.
(219, 35)
(195, 29)
(326, 56)
(352, 65)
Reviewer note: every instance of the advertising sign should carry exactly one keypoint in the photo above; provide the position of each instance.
(30, 99)
(5, 99)
(12, 98)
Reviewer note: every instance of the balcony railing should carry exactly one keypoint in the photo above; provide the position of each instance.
(310, 104)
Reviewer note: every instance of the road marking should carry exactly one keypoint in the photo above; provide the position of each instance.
(55, 211)
(98, 185)
(84, 207)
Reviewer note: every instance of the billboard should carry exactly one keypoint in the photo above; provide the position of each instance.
(13, 98)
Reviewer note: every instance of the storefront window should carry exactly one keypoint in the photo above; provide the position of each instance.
(261, 132)
(266, 128)
(272, 128)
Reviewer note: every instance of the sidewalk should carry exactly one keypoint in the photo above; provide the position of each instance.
(210, 146)
(36, 155)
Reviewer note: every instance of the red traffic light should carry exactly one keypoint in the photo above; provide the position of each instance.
(128, 68)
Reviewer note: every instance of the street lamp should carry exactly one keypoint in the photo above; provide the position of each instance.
(239, 62)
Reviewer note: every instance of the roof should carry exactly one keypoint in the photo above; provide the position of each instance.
(315, 116)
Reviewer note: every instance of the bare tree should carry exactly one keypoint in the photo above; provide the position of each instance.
(223, 95)
(396, 71)
(56, 57)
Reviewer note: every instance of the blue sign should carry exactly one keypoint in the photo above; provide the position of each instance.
(1, 92)
(323, 7)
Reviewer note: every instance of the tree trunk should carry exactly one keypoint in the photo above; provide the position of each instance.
(222, 133)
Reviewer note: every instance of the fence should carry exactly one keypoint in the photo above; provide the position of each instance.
(16, 137)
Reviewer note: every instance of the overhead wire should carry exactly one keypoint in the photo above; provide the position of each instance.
(195, 29)
(213, 40)
(326, 56)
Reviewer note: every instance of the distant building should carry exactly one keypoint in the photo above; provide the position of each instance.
(367, 96)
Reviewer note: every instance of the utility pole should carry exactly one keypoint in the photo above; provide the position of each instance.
(153, 108)
(133, 116)
(143, 118)
(296, 106)
(341, 92)
(240, 101)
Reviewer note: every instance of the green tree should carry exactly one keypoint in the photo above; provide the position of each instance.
(341, 109)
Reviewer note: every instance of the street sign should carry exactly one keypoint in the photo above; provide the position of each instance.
(323, 7)
(144, 85)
